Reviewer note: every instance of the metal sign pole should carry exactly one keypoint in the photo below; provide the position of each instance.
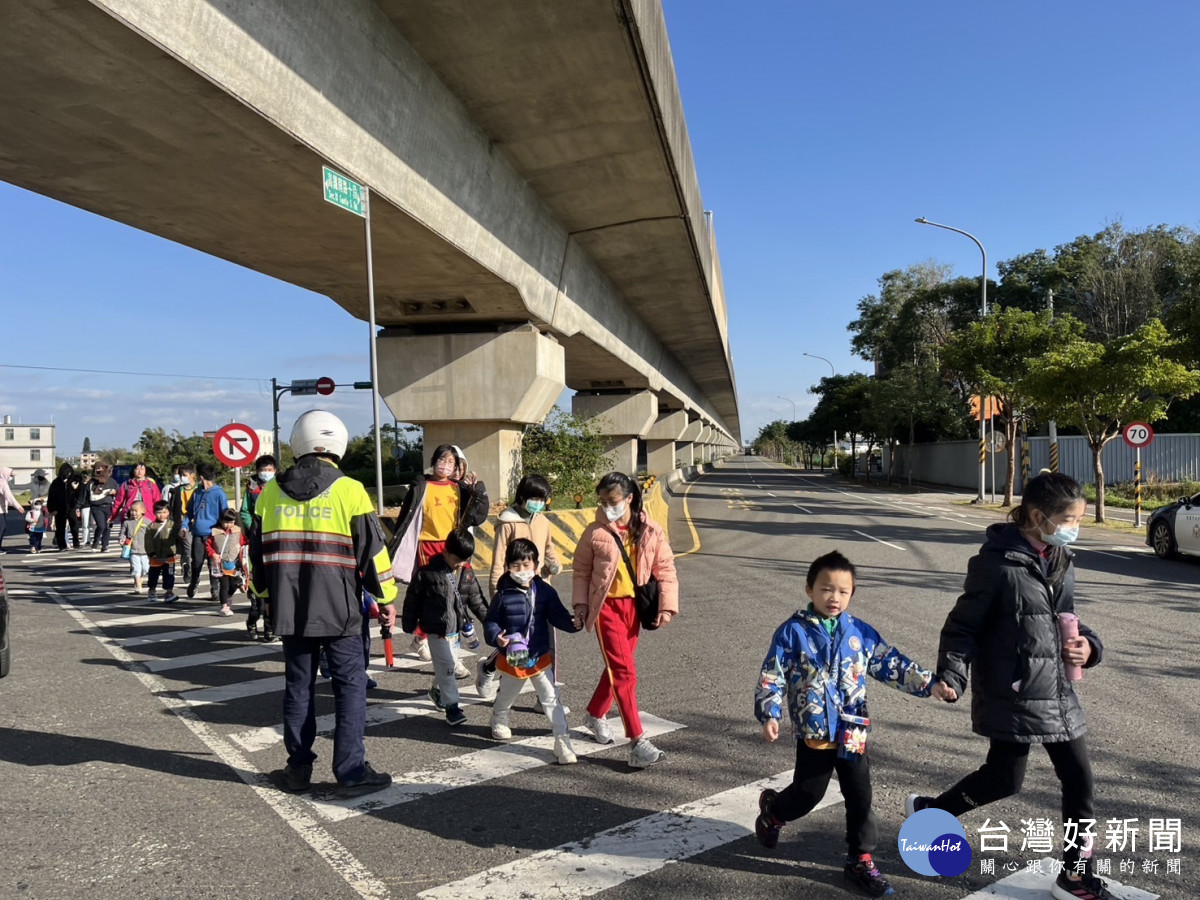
(237, 490)
(1137, 488)
(374, 355)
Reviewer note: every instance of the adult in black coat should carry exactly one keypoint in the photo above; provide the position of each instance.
(63, 503)
(1004, 635)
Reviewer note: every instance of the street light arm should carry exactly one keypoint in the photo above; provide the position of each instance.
(832, 371)
(924, 221)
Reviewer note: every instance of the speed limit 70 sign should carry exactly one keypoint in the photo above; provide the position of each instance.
(1138, 435)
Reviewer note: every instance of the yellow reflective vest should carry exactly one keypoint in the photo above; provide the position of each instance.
(317, 547)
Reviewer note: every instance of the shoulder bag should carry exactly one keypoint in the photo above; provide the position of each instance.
(645, 596)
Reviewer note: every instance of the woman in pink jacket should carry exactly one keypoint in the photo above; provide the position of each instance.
(603, 599)
(138, 487)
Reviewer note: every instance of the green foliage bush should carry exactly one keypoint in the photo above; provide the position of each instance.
(569, 452)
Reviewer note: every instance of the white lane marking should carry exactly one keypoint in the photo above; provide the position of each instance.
(1034, 885)
(1132, 549)
(878, 540)
(100, 607)
(236, 691)
(803, 509)
(477, 767)
(215, 656)
(183, 635)
(291, 810)
(769, 494)
(1101, 552)
(255, 739)
(628, 851)
(157, 617)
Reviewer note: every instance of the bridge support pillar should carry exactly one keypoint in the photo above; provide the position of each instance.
(476, 390)
(687, 451)
(623, 418)
(661, 442)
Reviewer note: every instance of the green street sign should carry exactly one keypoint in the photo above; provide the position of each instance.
(341, 191)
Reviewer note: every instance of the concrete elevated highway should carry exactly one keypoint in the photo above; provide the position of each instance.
(537, 221)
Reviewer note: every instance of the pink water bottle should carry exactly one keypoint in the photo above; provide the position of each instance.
(1068, 628)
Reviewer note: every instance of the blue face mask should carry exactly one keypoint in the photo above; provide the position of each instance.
(1061, 537)
(535, 506)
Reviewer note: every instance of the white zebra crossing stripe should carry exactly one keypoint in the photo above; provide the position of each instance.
(153, 618)
(1034, 885)
(236, 691)
(477, 767)
(183, 635)
(249, 651)
(255, 739)
(628, 851)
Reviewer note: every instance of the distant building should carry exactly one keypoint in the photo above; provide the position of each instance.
(26, 448)
(88, 460)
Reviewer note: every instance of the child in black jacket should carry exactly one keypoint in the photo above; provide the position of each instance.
(437, 602)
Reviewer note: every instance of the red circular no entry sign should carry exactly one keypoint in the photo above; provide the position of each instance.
(325, 386)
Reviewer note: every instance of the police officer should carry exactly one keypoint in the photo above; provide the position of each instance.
(317, 546)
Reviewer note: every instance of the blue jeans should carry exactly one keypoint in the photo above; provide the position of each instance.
(349, 682)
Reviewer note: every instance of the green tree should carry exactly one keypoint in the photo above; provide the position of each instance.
(87, 445)
(914, 400)
(569, 451)
(993, 357)
(1101, 387)
(156, 449)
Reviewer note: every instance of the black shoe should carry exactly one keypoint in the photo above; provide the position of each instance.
(372, 684)
(435, 697)
(766, 826)
(455, 716)
(191, 592)
(1089, 887)
(295, 779)
(269, 637)
(370, 782)
(252, 629)
(862, 872)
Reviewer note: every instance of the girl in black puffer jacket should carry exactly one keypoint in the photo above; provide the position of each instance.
(1004, 632)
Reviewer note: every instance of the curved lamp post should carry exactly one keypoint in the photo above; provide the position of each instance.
(832, 374)
(983, 313)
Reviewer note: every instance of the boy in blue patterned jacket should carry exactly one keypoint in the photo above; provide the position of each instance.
(821, 657)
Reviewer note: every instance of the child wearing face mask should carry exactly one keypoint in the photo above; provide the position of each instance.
(438, 599)
(520, 623)
(1004, 634)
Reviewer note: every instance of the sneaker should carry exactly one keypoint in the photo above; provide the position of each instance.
(461, 671)
(862, 872)
(914, 802)
(601, 733)
(420, 646)
(295, 779)
(766, 826)
(435, 697)
(1089, 887)
(369, 782)
(225, 611)
(644, 754)
(152, 596)
(500, 729)
(486, 683)
(563, 751)
(191, 592)
(269, 637)
(171, 597)
(371, 683)
(455, 716)
(252, 629)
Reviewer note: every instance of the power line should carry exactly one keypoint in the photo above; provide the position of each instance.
(147, 374)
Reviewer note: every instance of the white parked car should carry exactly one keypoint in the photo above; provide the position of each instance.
(1175, 529)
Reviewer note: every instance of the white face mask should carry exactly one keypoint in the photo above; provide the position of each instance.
(521, 578)
(616, 513)
(444, 469)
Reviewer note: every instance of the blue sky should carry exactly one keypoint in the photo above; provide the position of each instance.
(820, 131)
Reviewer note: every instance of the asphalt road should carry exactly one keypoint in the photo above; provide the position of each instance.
(132, 749)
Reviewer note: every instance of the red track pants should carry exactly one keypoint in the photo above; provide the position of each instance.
(617, 629)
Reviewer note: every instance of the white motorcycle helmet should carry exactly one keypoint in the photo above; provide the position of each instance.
(318, 431)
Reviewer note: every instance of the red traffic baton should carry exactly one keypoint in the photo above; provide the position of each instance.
(385, 632)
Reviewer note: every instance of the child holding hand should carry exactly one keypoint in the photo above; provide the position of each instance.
(820, 658)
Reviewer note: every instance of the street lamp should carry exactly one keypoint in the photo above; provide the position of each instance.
(983, 313)
(793, 402)
(833, 374)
